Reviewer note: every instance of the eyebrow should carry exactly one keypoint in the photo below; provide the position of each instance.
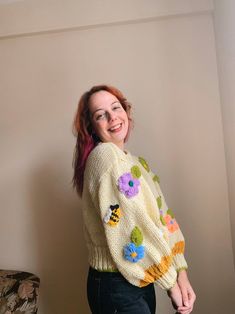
(103, 109)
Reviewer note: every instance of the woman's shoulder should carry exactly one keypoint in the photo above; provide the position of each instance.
(101, 158)
(103, 151)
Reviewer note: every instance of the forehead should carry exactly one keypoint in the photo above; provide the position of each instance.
(102, 100)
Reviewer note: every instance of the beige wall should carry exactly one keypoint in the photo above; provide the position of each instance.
(43, 15)
(224, 21)
(167, 68)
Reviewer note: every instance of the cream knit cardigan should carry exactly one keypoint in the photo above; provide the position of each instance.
(140, 237)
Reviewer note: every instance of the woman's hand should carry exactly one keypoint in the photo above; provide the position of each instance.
(175, 294)
(188, 295)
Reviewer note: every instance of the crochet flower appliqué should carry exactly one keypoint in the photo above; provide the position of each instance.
(134, 251)
(128, 185)
(171, 223)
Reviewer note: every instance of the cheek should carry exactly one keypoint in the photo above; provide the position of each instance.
(126, 120)
(100, 128)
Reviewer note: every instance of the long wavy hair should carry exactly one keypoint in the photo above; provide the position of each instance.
(86, 138)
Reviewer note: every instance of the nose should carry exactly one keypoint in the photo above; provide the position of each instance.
(112, 116)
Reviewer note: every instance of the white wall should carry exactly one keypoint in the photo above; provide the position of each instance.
(224, 21)
(167, 68)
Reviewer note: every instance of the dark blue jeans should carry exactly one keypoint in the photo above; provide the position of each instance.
(110, 293)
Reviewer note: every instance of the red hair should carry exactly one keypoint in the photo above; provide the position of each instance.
(86, 139)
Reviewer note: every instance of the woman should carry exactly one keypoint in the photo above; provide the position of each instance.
(132, 237)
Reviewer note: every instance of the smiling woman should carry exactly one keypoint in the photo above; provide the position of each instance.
(99, 109)
(109, 119)
(132, 236)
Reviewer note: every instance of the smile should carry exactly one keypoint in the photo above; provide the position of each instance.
(116, 127)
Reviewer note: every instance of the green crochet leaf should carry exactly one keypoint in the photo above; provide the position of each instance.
(136, 172)
(170, 212)
(144, 163)
(136, 236)
(159, 202)
(156, 178)
(162, 220)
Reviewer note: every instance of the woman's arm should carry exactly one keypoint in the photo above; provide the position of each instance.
(176, 238)
(182, 294)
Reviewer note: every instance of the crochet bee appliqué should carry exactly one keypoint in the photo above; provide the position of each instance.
(113, 215)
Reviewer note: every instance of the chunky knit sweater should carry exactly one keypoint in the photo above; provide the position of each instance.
(128, 226)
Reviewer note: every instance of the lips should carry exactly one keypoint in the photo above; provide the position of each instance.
(116, 127)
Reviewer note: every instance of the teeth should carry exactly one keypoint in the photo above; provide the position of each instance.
(115, 127)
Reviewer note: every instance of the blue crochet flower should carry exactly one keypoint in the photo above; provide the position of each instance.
(133, 253)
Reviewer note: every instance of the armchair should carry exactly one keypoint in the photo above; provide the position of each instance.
(19, 292)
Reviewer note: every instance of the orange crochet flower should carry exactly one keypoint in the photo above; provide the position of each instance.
(171, 223)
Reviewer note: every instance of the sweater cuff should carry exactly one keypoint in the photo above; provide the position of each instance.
(181, 268)
(180, 262)
(168, 280)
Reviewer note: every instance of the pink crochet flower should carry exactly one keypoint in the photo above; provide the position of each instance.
(128, 185)
(171, 223)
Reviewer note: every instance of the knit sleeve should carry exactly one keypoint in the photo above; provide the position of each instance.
(168, 220)
(130, 218)
(176, 238)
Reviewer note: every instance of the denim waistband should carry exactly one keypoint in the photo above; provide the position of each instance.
(103, 274)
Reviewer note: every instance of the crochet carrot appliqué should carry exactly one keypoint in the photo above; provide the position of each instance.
(134, 251)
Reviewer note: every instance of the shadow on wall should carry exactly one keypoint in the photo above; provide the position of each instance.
(62, 256)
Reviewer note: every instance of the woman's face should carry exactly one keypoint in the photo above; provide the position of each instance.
(109, 119)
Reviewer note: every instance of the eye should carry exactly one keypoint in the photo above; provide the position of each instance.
(100, 116)
(117, 107)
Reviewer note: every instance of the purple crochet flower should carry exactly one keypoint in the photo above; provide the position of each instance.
(133, 253)
(128, 185)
